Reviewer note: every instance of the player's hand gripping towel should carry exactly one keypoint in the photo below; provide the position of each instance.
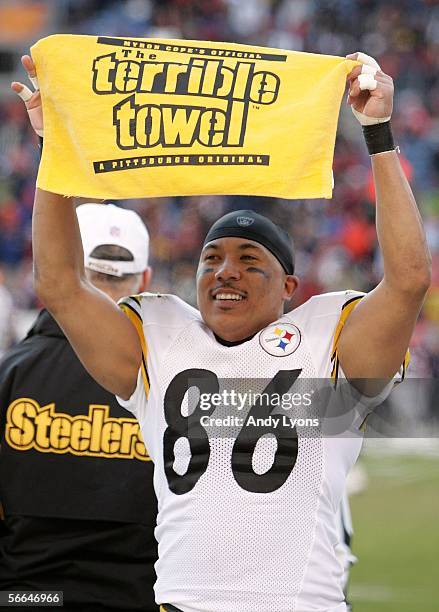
(126, 118)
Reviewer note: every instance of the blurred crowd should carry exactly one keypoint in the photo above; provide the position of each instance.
(335, 240)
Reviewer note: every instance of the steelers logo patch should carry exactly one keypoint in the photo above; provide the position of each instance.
(280, 339)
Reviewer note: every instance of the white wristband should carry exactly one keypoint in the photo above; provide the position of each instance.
(366, 120)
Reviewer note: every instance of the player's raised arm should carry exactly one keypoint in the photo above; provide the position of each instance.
(103, 337)
(377, 333)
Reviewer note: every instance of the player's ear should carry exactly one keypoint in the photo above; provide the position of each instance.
(290, 286)
(146, 279)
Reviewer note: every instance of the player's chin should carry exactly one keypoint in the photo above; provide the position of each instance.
(230, 324)
(221, 315)
(218, 313)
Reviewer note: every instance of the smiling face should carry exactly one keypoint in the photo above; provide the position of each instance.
(241, 287)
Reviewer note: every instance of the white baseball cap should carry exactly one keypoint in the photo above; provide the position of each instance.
(111, 225)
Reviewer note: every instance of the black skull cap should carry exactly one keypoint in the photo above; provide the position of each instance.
(253, 226)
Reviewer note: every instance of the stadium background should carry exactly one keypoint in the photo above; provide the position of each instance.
(396, 505)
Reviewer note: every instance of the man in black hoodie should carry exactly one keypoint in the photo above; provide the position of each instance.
(75, 477)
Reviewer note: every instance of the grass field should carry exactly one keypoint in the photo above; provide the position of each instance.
(396, 523)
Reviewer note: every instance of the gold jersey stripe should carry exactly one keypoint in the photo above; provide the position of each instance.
(346, 310)
(405, 365)
(133, 302)
(135, 319)
(334, 372)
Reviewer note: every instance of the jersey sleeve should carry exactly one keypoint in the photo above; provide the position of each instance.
(336, 370)
(158, 319)
(324, 318)
(352, 298)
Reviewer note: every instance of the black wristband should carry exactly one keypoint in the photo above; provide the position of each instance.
(40, 141)
(378, 138)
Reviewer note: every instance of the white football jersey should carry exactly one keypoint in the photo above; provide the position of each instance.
(345, 529)
(246, 522)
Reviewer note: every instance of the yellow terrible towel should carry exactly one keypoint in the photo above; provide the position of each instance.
(128, 118)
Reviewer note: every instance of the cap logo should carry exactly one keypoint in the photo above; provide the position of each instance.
(244, 221)
(280, 339)
(104, 267)
(115, 231)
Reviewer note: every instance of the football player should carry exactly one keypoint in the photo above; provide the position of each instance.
(247, 522)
